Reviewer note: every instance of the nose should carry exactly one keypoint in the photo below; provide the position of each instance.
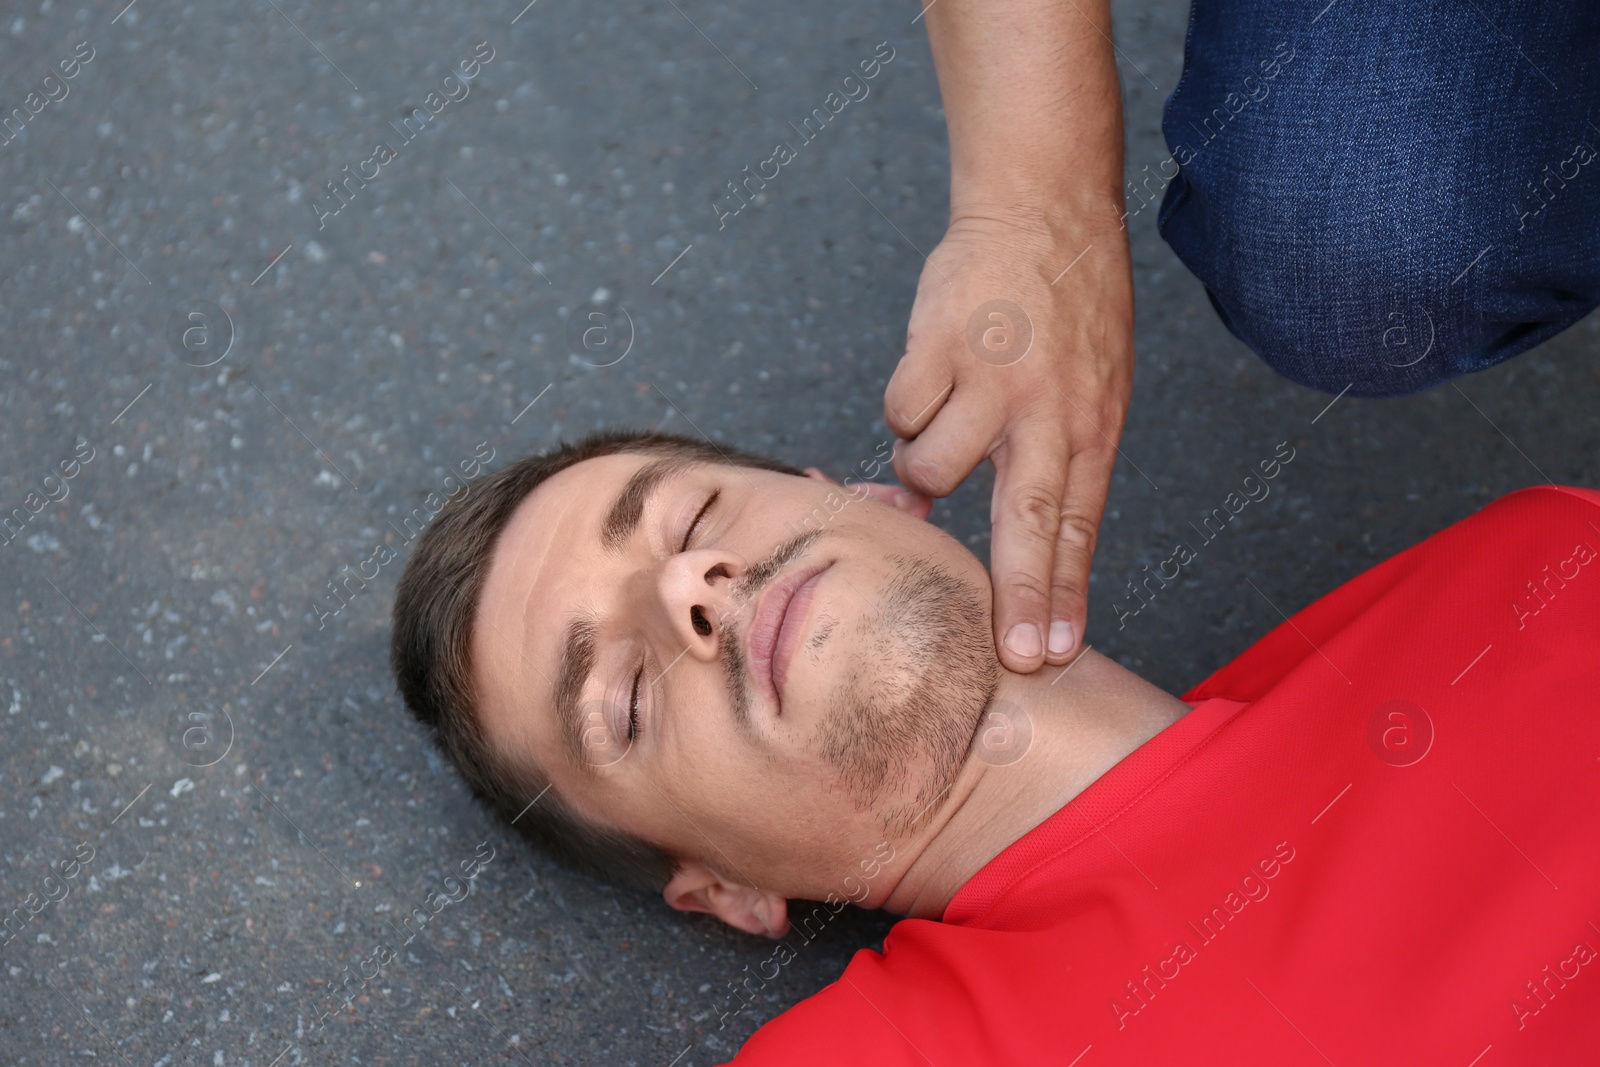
(695, 591)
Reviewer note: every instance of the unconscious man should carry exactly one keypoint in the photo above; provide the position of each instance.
(1371, 838)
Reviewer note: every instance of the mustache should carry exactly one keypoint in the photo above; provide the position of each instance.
(757, 577)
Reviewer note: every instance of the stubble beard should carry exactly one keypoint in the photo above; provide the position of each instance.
(913, 701)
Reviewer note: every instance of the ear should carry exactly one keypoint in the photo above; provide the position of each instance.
(696, 887)
(907, 500)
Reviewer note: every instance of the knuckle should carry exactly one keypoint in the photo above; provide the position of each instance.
(1078, 531)
(1033, 510)
(903, 370)
(929, 474)
(912, 406)
(894, 413)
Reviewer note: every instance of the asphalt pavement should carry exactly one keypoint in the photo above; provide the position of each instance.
(252, 379)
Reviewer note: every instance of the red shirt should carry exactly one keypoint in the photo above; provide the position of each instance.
(1375, 839)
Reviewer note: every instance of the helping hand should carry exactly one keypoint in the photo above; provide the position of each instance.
(1020, 348)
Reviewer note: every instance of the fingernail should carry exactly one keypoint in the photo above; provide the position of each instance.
(905, 500)
(1060, 637)
(1023, 639)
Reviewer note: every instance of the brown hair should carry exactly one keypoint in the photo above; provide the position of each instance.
(430, 650)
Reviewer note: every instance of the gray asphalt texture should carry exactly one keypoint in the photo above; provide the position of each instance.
(261, 811)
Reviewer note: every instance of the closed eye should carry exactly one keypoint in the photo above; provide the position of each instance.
(633, 706)
(689, 534)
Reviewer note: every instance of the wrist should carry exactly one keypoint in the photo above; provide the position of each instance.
(1049, 204)
(1040, 222)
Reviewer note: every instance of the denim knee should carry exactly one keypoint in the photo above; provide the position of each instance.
(1386, 203)
(1328, 307)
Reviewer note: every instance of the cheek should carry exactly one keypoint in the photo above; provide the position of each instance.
(883, 540)
(698, 764)
(721, 808)
(889, 530)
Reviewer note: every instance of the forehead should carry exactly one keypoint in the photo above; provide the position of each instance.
(546, 565)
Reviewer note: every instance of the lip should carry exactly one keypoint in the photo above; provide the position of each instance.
(767, 626)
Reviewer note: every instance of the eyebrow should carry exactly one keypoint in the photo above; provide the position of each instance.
(623, 518)
(577, 660)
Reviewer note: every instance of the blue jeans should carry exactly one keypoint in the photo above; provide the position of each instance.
(1387, 195)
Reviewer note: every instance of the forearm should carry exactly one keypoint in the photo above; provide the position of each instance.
(1033, 107)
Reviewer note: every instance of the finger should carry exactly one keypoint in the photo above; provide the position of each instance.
(1088, 483)
(919, 386)
(907, 500)
(950, 447)
(1030, 475)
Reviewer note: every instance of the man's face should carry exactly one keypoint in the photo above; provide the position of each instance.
(745, 667)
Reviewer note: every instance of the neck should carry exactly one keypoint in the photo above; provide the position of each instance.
(1048, 735)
